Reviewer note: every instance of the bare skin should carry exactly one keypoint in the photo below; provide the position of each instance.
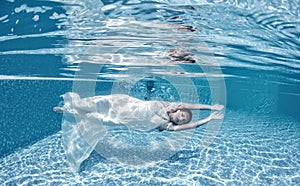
(177, 105)
(57, 109)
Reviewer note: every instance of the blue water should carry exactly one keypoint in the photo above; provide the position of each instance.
(125, 47)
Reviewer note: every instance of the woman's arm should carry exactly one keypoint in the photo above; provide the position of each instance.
(189, 125)
(173, 106)
(202, 106)
(171, 127)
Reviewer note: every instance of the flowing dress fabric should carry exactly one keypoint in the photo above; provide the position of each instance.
(86, 121)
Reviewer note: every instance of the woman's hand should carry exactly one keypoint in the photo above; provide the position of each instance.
(216, 115)
(217, 107)
(167, 126)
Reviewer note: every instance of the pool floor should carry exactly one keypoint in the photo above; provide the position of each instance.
(249, 149)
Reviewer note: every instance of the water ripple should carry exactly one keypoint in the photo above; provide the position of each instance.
(244, 34)
(262, 37)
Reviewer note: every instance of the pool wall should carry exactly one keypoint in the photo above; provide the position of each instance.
(26, 112)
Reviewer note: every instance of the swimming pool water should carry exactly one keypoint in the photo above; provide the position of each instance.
(44, 43)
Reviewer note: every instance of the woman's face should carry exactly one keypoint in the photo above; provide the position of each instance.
(179, 117)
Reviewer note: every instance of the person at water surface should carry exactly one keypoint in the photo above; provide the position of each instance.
(137, 114)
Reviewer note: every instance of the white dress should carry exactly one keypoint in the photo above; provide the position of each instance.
(86, 120)
(118, 109)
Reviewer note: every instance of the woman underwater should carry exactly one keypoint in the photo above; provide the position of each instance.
(137, 114)
(86, 120)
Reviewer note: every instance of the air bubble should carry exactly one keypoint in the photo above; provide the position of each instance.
(36, 18)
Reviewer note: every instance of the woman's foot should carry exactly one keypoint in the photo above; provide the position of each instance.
(57, 109)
